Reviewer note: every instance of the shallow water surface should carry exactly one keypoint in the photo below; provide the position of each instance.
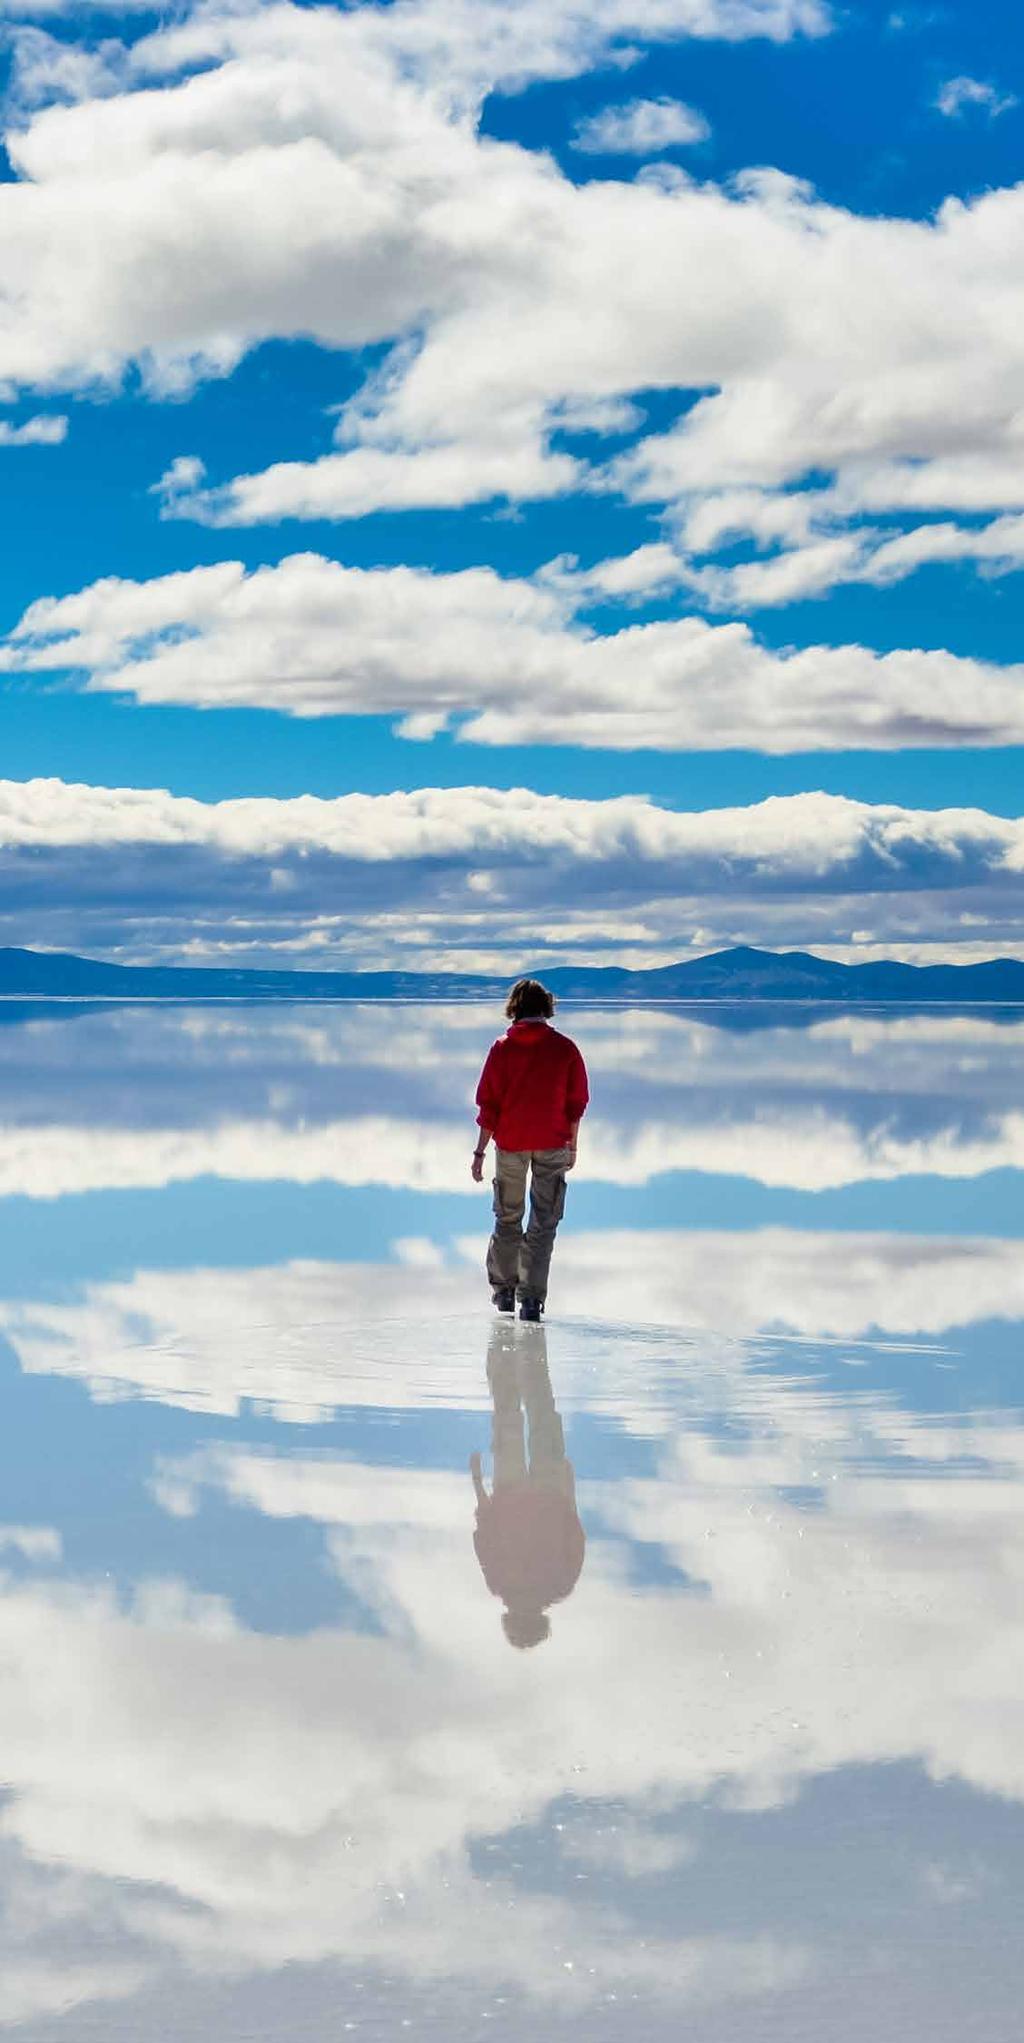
(371, 1666)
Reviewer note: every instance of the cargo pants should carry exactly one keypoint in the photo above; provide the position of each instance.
(520, 1384)
(516, 1260)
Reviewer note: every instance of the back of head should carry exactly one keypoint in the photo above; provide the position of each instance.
(529, 1001)
(525, 1628)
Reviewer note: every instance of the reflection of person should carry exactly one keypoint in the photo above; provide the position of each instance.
(532, 1096)
(528, 1539)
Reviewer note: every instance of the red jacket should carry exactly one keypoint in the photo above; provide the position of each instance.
(530, 1545)
(533, 1088)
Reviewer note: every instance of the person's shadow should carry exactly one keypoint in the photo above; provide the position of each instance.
(528, 1539)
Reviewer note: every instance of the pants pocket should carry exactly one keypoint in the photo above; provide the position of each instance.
(505, 1204)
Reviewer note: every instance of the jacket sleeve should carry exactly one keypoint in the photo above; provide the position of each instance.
(489, 1090)
(577, 1093)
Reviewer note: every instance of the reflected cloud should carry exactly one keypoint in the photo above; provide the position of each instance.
(801, 1584)
(807, 1150)
(379, 1096)
(804, 1555)
(223, 1804)
(301, 1339)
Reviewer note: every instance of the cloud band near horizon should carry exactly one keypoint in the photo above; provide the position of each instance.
(481, 874)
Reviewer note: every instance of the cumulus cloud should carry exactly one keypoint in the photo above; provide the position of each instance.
(47, 429)
(364, 479)
(870, 350)
(793, 393)
(800, 551)
(366, 877)
(640, 127)
(998, 547)
(796, 840)
(506, 661)
(957, 94)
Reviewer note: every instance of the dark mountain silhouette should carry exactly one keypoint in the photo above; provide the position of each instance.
(741, 974)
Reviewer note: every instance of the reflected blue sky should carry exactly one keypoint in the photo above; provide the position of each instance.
(269, 1757)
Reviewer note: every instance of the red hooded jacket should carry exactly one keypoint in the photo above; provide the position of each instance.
(533, 1088)
(530, 1544)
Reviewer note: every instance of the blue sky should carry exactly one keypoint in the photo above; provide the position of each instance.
(617, 405)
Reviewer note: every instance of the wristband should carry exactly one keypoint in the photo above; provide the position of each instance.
(479, 1152)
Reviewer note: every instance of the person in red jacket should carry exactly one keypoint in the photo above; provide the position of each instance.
(532, 1095)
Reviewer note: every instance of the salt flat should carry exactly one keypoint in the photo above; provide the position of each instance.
(272, 1766)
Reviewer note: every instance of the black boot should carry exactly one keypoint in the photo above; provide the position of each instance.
(531, 1308)
(504, 1298)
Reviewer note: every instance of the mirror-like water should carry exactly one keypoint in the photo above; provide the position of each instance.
(370, 1666)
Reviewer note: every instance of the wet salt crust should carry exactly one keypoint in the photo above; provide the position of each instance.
(272, 1765)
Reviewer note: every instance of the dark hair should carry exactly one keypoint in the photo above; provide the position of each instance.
(526, 1628)
(529, 1001)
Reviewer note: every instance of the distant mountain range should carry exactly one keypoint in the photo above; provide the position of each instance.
(741, 974)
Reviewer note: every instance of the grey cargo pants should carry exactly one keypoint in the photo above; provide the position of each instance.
(514, 1259)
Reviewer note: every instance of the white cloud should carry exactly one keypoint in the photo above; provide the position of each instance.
(380, 227)
(508, 660)
(364, 479)
(998, 546)
(784, 283)
(640, 127)
(365, 878)
(797, 840)
(185, 474)
(787, 577)
(467, 48)
(813, 557)
(650, 570)
(871, 349)
(47, 429)
(957, 94)
(47, 69)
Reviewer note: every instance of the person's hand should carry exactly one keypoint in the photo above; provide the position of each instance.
(477, 1168)
(571, 1161)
